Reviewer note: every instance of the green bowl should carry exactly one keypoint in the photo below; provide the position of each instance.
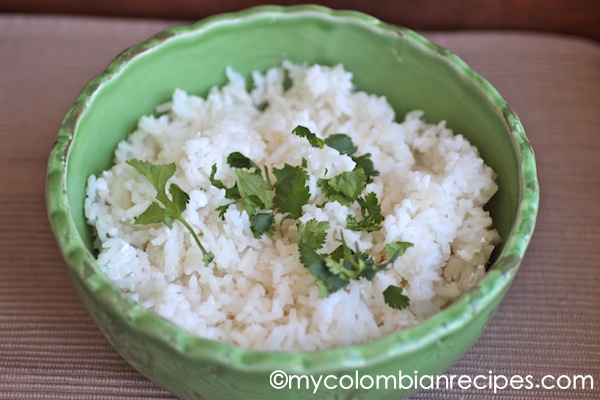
(386, 60)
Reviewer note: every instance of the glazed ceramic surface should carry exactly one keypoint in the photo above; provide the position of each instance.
(397, 63)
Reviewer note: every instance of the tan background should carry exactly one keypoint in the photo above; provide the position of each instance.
(549, 322)
(579, 17)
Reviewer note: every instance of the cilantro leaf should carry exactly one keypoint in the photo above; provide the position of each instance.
(370, 207)
(238, 160)
(312, 233)
(316, 265)
(396, 249)
(261, 223)
(154, 214)
(215, 182)
(339, 268)
(370, 210)
(353, 224)
(333, 271)
(344, 187)
(342, 143)
(251, 190)
(157, 175)
(393, 251)
(223, 209)
(311, 236)
(313, 261)
(180, 198)
(291, 192)
(335, 266)
(313, 139)
(230, 193)
(365, 163)
(171, 209)
(339, 275)
(360, 263)
(254, 190)
(394, 297)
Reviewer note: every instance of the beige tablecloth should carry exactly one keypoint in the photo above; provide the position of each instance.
(549, 323)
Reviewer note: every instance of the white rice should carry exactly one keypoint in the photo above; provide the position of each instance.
(432, 186)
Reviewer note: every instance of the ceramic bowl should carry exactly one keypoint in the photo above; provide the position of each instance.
(386, 60)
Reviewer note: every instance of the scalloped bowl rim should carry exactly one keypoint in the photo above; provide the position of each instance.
(188, 345)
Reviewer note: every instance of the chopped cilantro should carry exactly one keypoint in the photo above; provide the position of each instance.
(344, 187)
(342, 143)
(291, 192)
(366, 164)
(254, 191)
(223, 209)
(230, 193)
(260, 198)
(370, 211)
(251, 190)
(261, 223)
(171, 209)
(238, 160)
(394, 297)
(215, 182)
(310, 136)
(312, 233)
(315, 264)
(396, 249)
(334, 271)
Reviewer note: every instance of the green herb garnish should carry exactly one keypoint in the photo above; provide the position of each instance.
(262, 223)
(171, 209)
(334, 271)
(261, 199)
(394, 297)
(342, 143)
(230, 193)
(344, 187)
(257, 194)
(291, 192)
(238, 160)
(396, 249)
(370, 211)
(366, 164)
(310, 136)
(251, 189)
(312, 233)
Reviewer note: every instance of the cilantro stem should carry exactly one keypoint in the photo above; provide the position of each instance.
(158, 175)
(207, 256)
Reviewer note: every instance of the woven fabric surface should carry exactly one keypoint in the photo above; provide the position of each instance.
(548, 324)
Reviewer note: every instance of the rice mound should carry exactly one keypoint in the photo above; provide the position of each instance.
(432, 188)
